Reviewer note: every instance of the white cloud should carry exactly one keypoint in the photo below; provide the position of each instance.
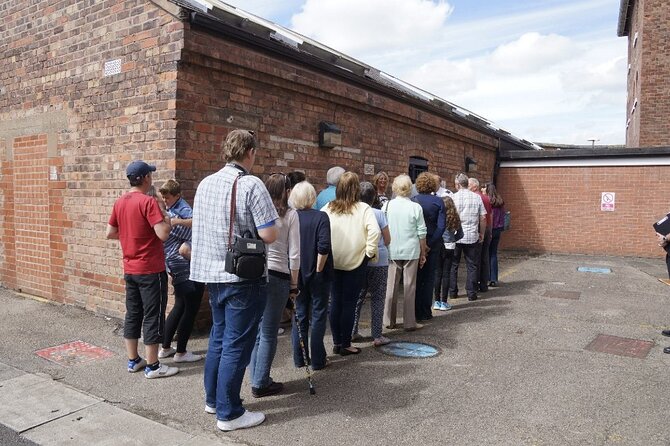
(353, 27)
(533, 52)
(444, 76)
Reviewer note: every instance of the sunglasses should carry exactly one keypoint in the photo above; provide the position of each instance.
(287, 181)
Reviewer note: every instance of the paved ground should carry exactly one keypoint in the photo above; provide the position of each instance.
(513, 369)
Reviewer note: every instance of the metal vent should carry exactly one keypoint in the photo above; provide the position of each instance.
(112, 67)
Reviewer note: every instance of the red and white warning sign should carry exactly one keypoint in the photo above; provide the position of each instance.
(607, 201)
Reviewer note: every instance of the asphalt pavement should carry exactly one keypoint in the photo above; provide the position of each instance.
(553, 356)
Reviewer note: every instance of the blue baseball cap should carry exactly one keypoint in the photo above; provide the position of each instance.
(139, 169)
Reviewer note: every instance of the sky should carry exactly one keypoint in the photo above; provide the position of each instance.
(545, 70)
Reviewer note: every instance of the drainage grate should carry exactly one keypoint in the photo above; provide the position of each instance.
(633, 348)
(557, 294)
(73, 353)
(589, 269)
(409, 350)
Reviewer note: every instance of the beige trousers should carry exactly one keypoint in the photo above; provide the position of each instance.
(408, 268)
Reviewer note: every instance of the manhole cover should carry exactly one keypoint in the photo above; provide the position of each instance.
(589, 269)
(557, 294)
(409, 350)
(72, 353)
(615, 345)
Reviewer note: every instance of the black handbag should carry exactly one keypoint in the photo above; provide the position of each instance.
(246, 256)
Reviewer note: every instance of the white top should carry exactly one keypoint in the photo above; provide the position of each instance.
(284, 252)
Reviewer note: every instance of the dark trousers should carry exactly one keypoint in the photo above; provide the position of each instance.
(344, 293)
(443, 274)
(425, 280)
(146, 299)
(667, 263)
(484, 262)
(187, 298)
(493, 254)
(472, 253)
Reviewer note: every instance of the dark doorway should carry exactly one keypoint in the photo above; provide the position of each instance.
(417, 165)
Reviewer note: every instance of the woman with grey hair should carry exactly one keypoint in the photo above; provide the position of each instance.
(376, 274)
(407, 251)
(316, 274)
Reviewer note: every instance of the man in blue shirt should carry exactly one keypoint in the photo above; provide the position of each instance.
(328, 194)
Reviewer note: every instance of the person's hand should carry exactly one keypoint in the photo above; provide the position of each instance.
(662, 241)
(175, 221)
(422, 261)
(481, 237)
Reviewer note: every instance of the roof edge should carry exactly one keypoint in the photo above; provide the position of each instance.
(515, 155)
(625, 11)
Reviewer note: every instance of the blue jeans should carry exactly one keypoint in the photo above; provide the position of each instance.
(493, 253)
(266, 341)
(236, 311)
(314, 294)
(344, 293)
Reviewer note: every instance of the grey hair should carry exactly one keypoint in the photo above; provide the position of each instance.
(473, 182)
(333, 175)
(368, 192)
(462, 179)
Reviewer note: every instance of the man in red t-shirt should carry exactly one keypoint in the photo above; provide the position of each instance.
(141, 226)
(484, 266)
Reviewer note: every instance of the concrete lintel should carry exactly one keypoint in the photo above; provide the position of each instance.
(49, 123)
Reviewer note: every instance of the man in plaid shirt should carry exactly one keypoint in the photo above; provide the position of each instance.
(473, 220)
(237, 304)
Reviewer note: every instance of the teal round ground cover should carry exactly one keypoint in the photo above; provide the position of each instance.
(409, 350)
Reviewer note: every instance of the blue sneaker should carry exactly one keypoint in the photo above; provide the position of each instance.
(136, 366)
(445, 306)
(437, 305)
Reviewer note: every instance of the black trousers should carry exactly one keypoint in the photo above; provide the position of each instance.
(484, 263)
(187, 298)
(443, 274)
(472, 253)
(146, 300)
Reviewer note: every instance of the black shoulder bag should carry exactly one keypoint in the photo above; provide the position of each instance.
(246, 255)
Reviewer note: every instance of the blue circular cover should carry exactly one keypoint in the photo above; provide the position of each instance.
(409, 350)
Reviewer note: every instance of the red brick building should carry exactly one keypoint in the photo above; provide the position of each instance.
(645, 23)
(558, 205)
(89, 85)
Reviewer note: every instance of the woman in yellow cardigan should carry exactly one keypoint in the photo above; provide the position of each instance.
(354, 233)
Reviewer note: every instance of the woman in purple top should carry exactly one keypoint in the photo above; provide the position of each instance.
(498, 224)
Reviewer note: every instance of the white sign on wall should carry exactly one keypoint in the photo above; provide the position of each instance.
(607, 201)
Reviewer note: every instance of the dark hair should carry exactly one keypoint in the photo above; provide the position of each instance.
(136, 181)
(278, 186)
(494, 197)
(296, 177)
(368, 193)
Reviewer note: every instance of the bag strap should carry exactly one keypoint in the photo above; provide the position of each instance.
(233, 204)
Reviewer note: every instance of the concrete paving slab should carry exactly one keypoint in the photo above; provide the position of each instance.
(29, 400)
(8, 372)
(210, 440)
(104, 424)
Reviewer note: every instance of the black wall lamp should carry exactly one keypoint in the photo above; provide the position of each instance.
(329, 135)
(470, 164)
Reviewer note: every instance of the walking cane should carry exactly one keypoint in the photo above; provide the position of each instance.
(303, 349)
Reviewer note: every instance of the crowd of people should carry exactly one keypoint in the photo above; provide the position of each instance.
(324, 254)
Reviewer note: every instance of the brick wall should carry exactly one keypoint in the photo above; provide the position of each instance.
(558, 209)
(649, 75)
(223, 85)
(87, 127)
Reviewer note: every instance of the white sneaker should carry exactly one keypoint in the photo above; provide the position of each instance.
(166, 352)
(248, 419)
(161, 372)
(210, 409)
(187, 357)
